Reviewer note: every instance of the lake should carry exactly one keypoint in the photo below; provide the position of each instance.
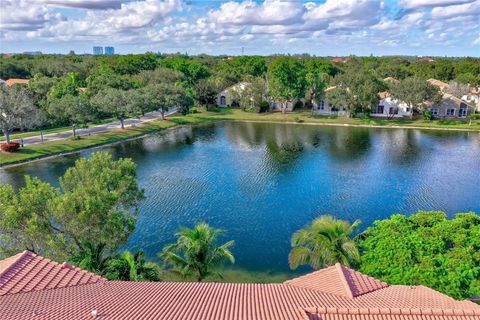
(261, 182)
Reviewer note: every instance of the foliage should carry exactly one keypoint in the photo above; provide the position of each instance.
(117, 103)
(286, 80)
(192, 69)
(71, 109)
(323, 243)
(129, 266)
(415, 92)
(252, 95)
(205, 92)
(131, 63)
(196, 253)
(94, 208)
(67, 86)
(427, 249)
(17, 110)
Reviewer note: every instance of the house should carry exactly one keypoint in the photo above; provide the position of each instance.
(2, 81)
(11, 82)
(389, 107)
(30, 291)
(473, 98)
(229, 96)
(325, 108)
(437, 83)
(451, 107)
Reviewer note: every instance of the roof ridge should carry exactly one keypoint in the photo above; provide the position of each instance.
(395, 311)
(345, 282)
(20, 256)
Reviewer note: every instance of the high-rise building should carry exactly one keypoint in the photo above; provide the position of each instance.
(109, 50)
(97, 50)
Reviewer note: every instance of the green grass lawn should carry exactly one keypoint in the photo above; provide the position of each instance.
(301, 116)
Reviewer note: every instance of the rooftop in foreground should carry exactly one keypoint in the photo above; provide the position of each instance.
(336, 292)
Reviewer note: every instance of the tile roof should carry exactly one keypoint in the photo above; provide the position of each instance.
(11, 82)
(293, 300)
(391, 80)
(338, 280)
(438, 83)
(27, 271)
(384, 94)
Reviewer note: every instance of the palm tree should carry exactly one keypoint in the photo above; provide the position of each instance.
(91, 257)
(132, 267)
(325, 242)
(196, 253)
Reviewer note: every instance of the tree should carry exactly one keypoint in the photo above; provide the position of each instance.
(192, 69)
(427, 249)
(253, 94)
(17, 110)
(317, 80)
(67, 86)
(196, 252)
(129, 266)
(415, 92)
(323, 243)
(457, 89)
(286, 80)
(74, 110)
(167, 95)
(357, 89)
(206, 92)
(90, 215)
(117, 103)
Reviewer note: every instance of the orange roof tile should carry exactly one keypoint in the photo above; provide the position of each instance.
(11, 82)
(27, 271)
(438, 83)
(338, 280)
(369, 299)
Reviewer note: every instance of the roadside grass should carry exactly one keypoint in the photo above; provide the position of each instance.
(301, 116)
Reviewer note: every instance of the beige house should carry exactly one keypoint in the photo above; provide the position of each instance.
(437, 83)
(229, 96)
(451, 107)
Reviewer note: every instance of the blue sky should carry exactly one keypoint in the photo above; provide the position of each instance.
(327, 27)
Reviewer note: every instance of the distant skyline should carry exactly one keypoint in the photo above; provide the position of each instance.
(323, 28)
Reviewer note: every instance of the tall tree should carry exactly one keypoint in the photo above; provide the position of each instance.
(117, 103)
(426, 248)
(286, 80)
(74, 110)
(415, 91)
(91, 214)
(206, 92)
(164, 96)
(323, 243)
(196, 252)
(17, 110)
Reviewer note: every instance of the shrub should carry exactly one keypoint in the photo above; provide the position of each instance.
(427, 115)
(10, 147)
(297, 119)
(194, 110)
(475, 116)
(264, 107)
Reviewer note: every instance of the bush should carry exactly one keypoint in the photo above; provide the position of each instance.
(194, 110)
(297, 119)
(10, 147)
(475, 116)
(264, 107)
(427, 115)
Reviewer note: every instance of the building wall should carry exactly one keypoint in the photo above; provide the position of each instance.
(324, 108)
(392, 107)
(450, 108)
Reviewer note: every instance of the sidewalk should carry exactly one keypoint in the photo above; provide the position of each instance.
(95, 129)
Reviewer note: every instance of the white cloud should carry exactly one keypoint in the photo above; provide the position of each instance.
(84, 4)
(416, 4)
(24, 15)
(457, 10)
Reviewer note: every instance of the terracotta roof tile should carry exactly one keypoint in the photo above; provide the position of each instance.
(353, 283)
(369, 299)
(11, 82)
(438, 83)
(27, 271)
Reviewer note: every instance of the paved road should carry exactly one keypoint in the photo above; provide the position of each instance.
(96, 129)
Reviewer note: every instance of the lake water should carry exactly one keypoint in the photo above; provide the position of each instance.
(262, 182)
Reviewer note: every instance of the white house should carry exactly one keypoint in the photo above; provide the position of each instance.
(325, 108)
(473, 98)
(229, 96)
(389, 107)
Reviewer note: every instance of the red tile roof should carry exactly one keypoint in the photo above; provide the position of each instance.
(11, 82)
(372, 300)
(338, 280)
(27, 271)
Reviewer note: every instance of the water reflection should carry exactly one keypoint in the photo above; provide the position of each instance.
(260, 182)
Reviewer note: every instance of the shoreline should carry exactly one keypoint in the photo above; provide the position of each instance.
(212, 121)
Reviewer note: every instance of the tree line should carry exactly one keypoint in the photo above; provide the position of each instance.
(90, 216)
(76, 90)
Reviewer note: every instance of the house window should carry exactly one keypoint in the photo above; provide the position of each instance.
(334, 109)
(462, 112)
(434, 111)
(450, 112)
(379, 109)
(223, 101)
(408, 109)
(393, 110)
(322, 105)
